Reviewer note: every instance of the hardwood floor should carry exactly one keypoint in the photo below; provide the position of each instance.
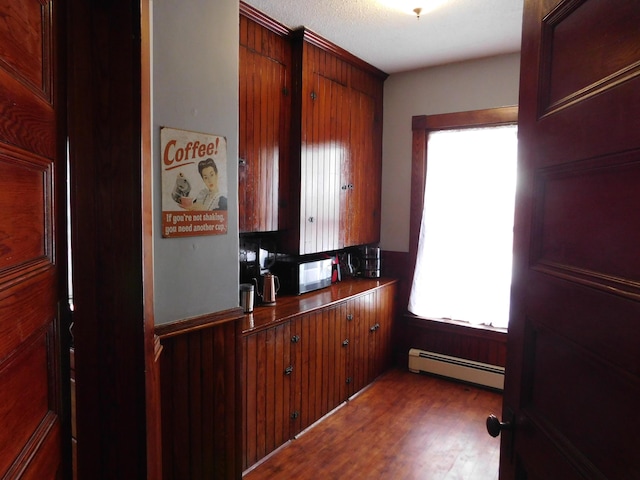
(404, 426)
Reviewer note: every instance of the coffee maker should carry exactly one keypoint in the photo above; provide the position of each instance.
(370, 261)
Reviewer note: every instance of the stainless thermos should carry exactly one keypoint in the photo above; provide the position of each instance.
(246, 297)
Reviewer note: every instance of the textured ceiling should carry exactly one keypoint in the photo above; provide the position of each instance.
(395, 40)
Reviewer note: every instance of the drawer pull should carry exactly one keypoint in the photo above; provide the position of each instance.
(288, 370)
(345, 342)
(295, 339)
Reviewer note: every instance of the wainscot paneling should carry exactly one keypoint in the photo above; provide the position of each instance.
(200, 382)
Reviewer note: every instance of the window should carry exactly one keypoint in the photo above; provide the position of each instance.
(463, 258)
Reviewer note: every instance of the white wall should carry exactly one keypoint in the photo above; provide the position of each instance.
(195, 87)
(473, 85)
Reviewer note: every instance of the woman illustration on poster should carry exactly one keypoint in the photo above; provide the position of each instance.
(209, 198)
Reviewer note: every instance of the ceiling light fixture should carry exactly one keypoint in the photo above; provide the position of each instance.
(417, 12)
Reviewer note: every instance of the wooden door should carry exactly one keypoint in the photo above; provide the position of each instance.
(263, 126)
(267, 406)
(325, 144)
(30, 175)
(360, 211)
(573, 366)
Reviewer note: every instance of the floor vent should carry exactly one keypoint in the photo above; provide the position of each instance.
(477, 373)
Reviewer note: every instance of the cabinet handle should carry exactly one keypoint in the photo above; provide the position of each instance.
(350, 186)
(295, 415)
(372, 328)
(348, 380)
(288, 370)
(242, 162)
(311, 219)
(350, 316)
(295, 339)
(344, 187)
(377, 326)
(345, 342)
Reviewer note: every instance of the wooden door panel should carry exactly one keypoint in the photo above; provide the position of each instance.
(324, 146)
(262, 142)
(25, 196)
(577, 27)
(267, 395)
(30, 402)
(361, 216)
(573, 365)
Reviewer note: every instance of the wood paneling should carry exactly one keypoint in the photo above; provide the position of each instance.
(457, 340)
(200, 381)
(264, 116)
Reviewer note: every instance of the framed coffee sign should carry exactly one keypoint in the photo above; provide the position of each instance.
(194, 183)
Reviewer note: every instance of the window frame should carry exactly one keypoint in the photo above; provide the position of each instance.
(421, 126)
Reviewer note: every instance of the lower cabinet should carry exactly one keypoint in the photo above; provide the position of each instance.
(299, 370)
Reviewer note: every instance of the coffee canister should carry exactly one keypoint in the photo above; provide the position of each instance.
(246, 297)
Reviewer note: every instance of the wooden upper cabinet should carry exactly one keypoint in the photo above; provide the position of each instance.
(264, 122)
(310, 141)
(336, 162)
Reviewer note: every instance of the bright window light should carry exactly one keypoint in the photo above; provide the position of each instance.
(463, 268)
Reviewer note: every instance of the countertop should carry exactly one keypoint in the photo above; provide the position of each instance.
(288, 306)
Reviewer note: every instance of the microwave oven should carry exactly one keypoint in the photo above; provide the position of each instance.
(302, 276)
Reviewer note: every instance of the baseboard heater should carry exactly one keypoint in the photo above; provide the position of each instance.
(477, 373)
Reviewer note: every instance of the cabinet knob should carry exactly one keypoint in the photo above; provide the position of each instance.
(372, 328)
(295, 339)
(348, 380)
(288, 370)
(295, 415)
(345, 342)
(350, 186)
(312, 219)
(350, 316)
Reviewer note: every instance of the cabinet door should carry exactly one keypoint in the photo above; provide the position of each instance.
(306, 353)
(370, 353)
(360, 222)
(324, 148)
(263, 129)
(267, 397)
(359, 311)
(383, 328)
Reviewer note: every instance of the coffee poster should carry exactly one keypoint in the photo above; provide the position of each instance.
(194, 183)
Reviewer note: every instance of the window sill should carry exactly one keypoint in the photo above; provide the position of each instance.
(445, 324)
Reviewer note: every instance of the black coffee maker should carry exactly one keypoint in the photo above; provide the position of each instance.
(370, 261)
(257, 256)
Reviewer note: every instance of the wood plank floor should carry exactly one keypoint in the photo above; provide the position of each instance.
(404, 426)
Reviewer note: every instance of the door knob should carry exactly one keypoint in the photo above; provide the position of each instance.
(495, 426)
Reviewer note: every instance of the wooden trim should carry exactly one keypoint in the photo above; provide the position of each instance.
(475, 118)
(313, 38)
(422, 125)
(263, 20)
(188, 325)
